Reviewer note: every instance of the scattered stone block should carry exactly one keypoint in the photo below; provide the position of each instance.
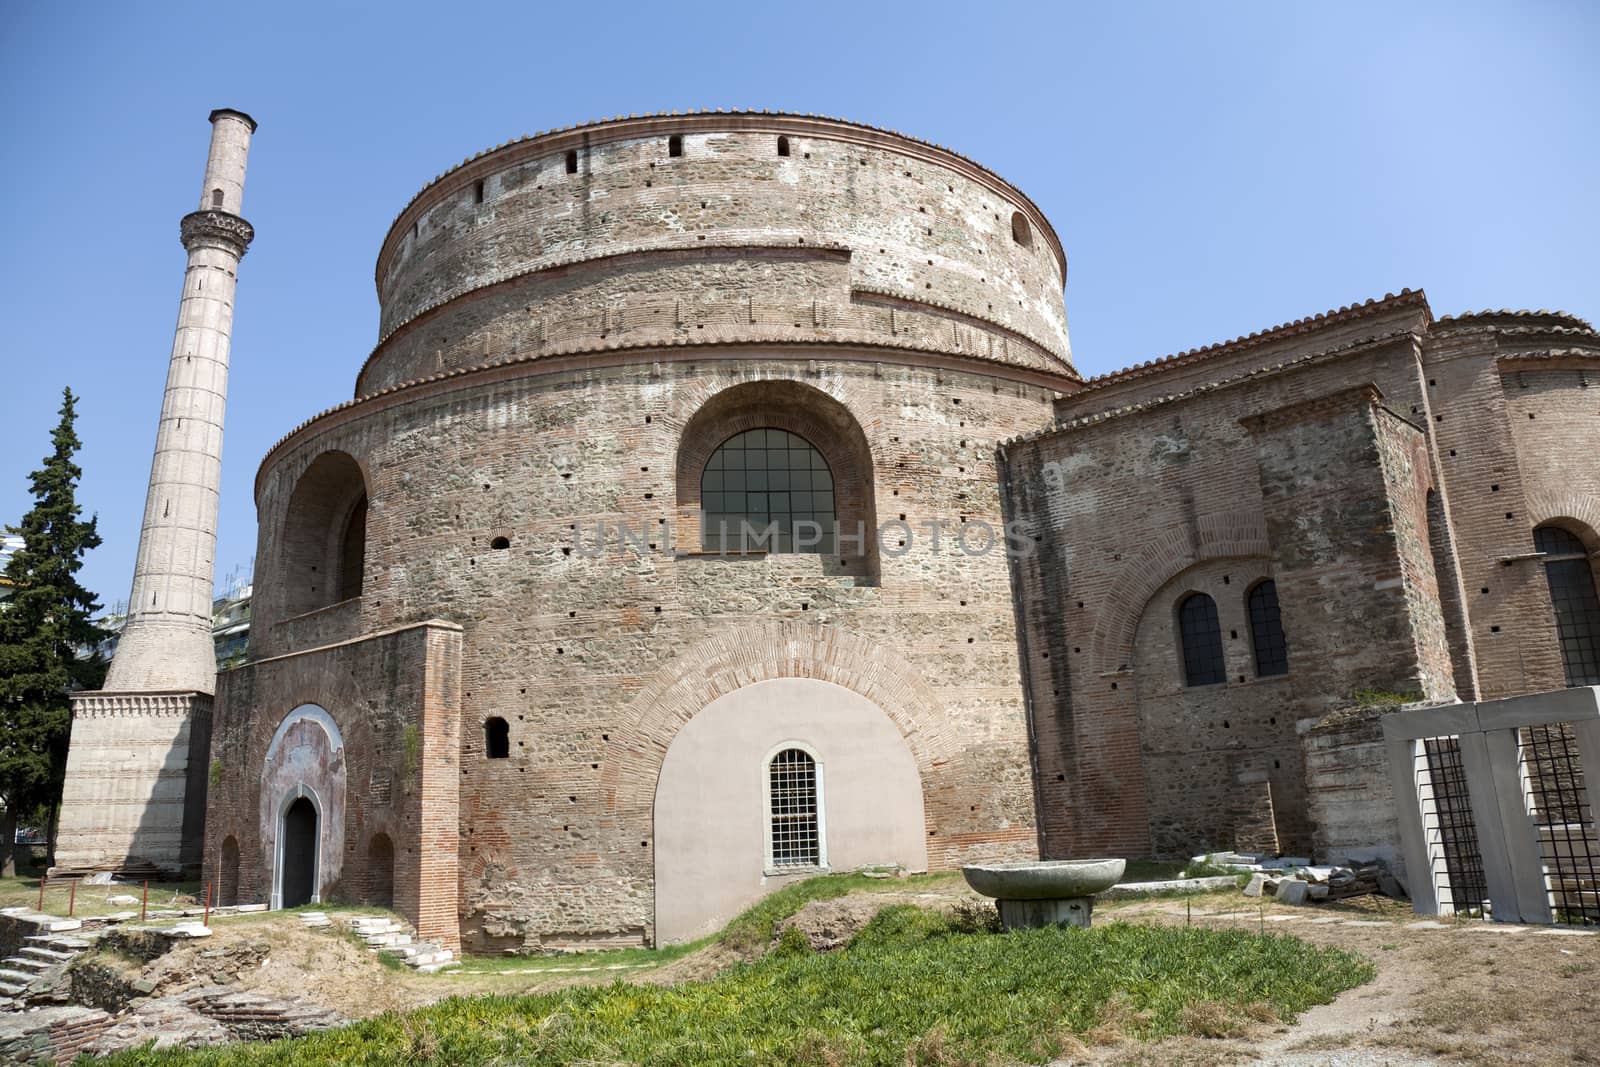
(1292, 891)
(1257, 886)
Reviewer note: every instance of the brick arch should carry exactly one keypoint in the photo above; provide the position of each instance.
(1581, 508)
(1222, 535)
(781, 403)
(745, 654)
(328, 497)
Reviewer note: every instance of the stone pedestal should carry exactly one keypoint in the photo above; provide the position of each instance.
(135, 792)
(1033, 914)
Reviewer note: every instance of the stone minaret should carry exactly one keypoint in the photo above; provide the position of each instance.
(134, 797)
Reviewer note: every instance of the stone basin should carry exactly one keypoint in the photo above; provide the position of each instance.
(1044, 879)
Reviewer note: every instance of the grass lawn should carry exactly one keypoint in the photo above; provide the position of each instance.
(22, 891)
(912, 987)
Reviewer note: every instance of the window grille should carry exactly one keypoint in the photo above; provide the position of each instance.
(1577, 606)
(792, 787)
(1451, 834)
(1201, 637)
(1558, 801)
(1266, 631)
(759, 486)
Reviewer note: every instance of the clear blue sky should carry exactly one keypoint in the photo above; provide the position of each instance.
(1212, 170)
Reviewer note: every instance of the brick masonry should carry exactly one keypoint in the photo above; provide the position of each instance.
(561, 349)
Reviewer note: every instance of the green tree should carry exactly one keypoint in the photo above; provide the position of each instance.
(43, 628)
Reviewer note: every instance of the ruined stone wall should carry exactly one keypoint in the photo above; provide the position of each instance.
(1348, 785)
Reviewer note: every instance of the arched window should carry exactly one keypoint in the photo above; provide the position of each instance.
(380, 871)
(783, 145)
(1200, 638)
(768, 490)
(1266, 630)
(1021, 232)
(1577, 606)
(794, 809)
(229, 869)
(675, 145)
(216, 199)
(496, 738)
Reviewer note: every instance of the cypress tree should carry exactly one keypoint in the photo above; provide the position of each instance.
(43, 627)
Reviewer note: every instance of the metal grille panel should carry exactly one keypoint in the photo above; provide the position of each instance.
(1559, 804)
(792, 779)
(1201, 637)
(1266, 631)
(1576, 602)
(768, 479)
(1452, 836)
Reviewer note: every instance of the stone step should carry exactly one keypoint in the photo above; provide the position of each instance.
(387, 940)
(42, 953)
(28, 963)
(12, 989)
(60, 942)
(12, 976)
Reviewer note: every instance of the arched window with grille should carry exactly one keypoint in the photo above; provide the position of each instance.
(1266, 630)
(768, 490)
(794, 811)
(1200, 640)
(1577, 605)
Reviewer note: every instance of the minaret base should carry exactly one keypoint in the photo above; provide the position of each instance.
(135, 795)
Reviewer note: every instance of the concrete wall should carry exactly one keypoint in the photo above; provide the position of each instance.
(710, 813)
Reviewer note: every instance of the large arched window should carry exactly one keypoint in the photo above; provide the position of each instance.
(1200, 638)
(771, 490)
(1577, 606)
(1266, 630)
(794, 810)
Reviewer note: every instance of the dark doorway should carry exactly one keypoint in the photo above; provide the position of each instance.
(299, 853)
(380, 871)
(229, 863)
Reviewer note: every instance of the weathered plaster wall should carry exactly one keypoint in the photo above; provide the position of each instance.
(710, 808)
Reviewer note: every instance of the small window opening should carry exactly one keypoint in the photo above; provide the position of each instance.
(500, 543)
(496, 738)
(675, 146)
(1021, 232)
(783, 146)
(477, 192)
(216, 199)
(572, 161)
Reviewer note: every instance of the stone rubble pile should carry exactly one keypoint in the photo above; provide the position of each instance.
(1298, 881)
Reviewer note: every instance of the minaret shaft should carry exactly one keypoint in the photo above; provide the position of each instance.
(166, 644)
(137, 766)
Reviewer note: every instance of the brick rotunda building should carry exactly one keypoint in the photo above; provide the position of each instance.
(459, 702)
(517, 669)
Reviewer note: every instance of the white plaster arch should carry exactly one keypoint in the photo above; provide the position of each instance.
(305, 758)
(315, 714)
(711, 803)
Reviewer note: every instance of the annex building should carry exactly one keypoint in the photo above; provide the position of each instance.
(518, 668)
